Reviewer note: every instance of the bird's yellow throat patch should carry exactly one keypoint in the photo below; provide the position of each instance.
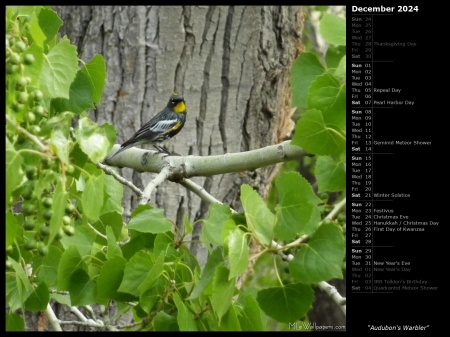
(180, 107)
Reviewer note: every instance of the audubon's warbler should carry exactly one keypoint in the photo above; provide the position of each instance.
(162, 126)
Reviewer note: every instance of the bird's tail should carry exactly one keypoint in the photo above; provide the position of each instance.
(120, 150)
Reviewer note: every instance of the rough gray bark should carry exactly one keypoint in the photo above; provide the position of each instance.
(232, 64)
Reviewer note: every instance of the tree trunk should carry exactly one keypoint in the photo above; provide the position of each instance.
(232, 64)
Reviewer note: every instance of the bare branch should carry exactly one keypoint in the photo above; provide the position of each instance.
(163, 175)
(54, 321)
(119, 178)
(193, 166)
(30, 136)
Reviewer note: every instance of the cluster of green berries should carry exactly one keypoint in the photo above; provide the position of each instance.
(28, 101)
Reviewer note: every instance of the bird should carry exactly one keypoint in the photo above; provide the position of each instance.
(164, 125)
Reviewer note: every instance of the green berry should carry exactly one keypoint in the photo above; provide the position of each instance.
(31, 172)
(43, 250)
(70, 209)
(12, 68)
(39, 110)
(69, 230)
(35, 129)
(28, 59)
(9, 250)
(22, 97)
(70, 169)
(38, 95)
(47, 202)
(30, 244)
(29, 209)
(17, 107)
(47, 214)
(66, 220)
(30, 117)
(44, 230)
(21, 83)
(20, 46)
(27, 194)
(15, 58)
(28, 225)
(9, 265)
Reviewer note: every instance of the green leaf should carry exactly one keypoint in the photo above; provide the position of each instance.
(34, 71)
(112, 220)
(14, 322)
(259, 218)
(150, 221)
(11, 228)
(13, 292)
(304, 71)
(230, 321)
(13, 171)
(94, 140)
(223, 291)
(83, 239)
(61, 144)
(110, 278)
(212, 226)
(82, 289)
(48, 270)
(92, 197)
(187, 225)
(165, 322)
(321, 258)
(59, 69)
(251, 318)
(153, 295)
(113, 247)
(114, 190)
(288, 303)
(153, 274)
(95, 71)
(58, 208)
(341, 70)
(315, 136)
(19, 288)
(50, 23)
(80, 96)
(333, 29)
(35, 31)
(164, 244)
(214, 260)
(136, 271)
(38, 299)
(327, 94)
(70, 261)
(185, 317)
(238, 253)
(297, 210)
(330, 174)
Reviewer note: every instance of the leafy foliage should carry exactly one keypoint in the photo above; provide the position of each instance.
(65, 237)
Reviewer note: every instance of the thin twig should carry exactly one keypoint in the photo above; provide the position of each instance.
(97, 232)
(30, 136)
(119, 178)
(54, 321)
(158, 180)
(334, 294)
(336, 209)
